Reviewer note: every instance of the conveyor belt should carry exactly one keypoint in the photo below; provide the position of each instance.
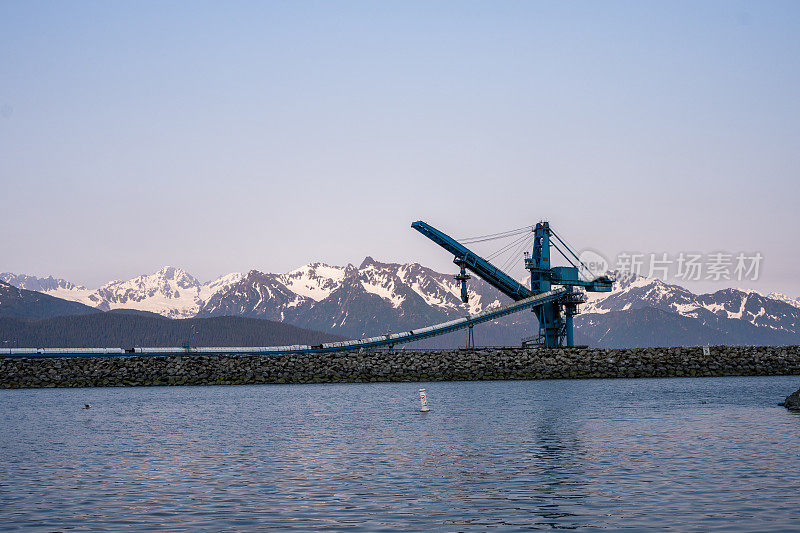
(372, 342)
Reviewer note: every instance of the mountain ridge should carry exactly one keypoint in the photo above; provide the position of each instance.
(376, 297)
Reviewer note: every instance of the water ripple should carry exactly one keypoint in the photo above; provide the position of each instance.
(603, 454)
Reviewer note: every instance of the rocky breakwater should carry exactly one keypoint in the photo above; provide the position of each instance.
(432, 365)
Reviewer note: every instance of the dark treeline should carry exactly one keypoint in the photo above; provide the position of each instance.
(120, 330)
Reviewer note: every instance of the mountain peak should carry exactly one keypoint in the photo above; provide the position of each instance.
(367, 262)
(33, 283)
(169, 271)
(178, 274)
(252, 274)
(794, 302)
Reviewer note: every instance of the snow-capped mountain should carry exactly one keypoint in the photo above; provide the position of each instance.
(170, 291)
(632, 291)
(377, 297)
(256, 295)
(372, 298)
(51, 286)
(641, 308)
(32, 283)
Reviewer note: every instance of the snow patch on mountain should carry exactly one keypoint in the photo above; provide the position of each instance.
(377, 279)
(794, 302)
(208, 289)
(316, 280)
(624, 282)
(442, 291)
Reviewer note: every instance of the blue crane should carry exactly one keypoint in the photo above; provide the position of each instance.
(555, 316)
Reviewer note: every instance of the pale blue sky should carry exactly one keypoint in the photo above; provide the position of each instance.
(227, 136)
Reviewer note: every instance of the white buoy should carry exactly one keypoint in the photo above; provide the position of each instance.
(423, 400)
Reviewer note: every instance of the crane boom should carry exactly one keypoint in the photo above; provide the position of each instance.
(465, 257)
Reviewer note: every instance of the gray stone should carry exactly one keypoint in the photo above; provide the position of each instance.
(792, 401)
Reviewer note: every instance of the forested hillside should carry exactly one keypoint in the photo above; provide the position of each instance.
(123, 330)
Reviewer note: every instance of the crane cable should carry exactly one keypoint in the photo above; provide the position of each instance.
(520, 243)
(524, 238)
(506, 247)
(495, 236)
(517, 253)
(569, 248)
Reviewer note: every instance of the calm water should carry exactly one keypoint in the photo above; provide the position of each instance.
(512, 455)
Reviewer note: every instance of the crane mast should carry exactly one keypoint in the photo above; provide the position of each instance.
(555, 317)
